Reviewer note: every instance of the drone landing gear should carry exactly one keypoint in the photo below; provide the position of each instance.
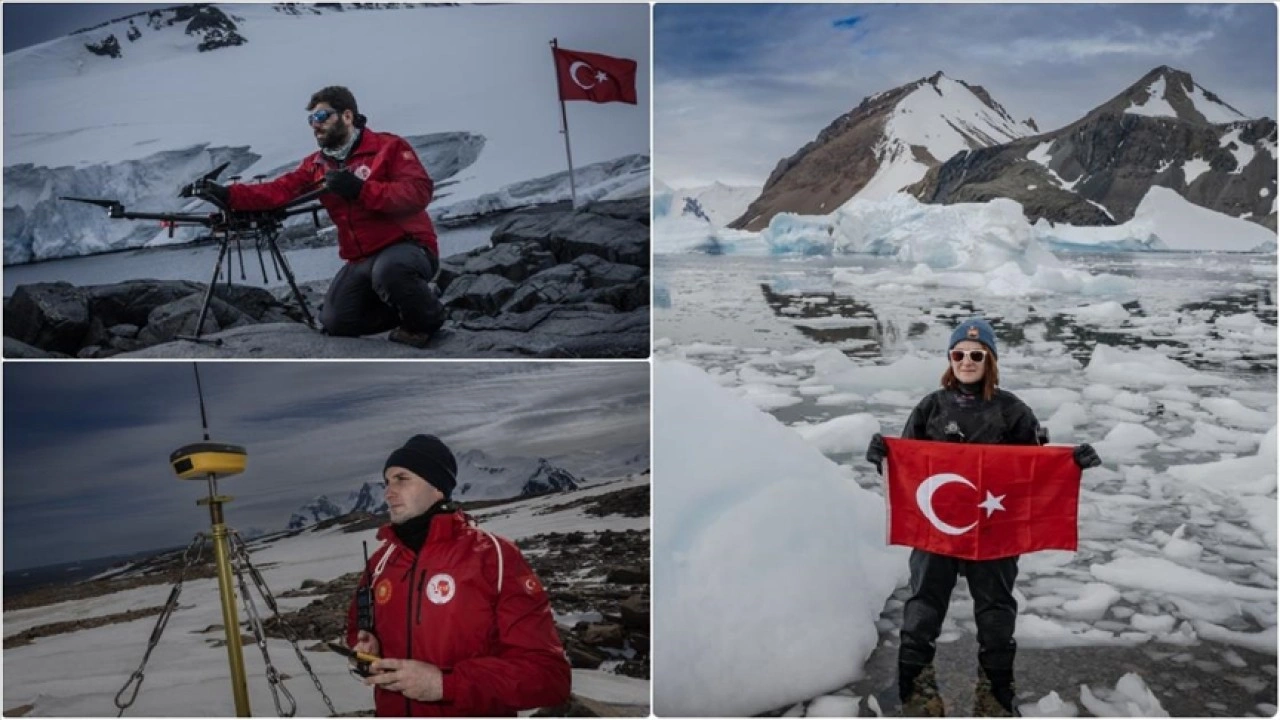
(278, 263)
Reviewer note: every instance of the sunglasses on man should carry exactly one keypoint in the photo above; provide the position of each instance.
(319, 117)
(975, 355)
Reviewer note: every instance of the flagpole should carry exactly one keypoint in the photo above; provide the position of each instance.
(564, 125)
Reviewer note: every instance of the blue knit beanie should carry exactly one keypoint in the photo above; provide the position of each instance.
(975, 329)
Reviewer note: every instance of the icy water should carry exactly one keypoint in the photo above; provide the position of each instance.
(196, 263)
(808, 340)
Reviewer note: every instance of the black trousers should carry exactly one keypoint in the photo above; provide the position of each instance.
(990, 582)
(389, 288)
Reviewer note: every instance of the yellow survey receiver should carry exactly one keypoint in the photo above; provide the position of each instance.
(197, 460)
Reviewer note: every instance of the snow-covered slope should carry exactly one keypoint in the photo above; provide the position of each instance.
(477, 82)
(941, 117)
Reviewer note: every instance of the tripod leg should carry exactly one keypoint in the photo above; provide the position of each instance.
(208, 293)
(293, 285)
(240, 252)
(257, 245)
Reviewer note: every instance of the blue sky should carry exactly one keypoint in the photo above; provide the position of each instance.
(739, 87)
(86, 470)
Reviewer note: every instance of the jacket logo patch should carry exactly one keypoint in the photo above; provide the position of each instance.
(363, 172)
(406, 155)
(382, 591)
(531, 585)
(441, 588)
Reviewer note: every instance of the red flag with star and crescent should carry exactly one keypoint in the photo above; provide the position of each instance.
(981, 502)
(595, 77)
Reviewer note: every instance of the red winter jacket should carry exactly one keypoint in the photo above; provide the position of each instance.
(498, 648)
(391, 205)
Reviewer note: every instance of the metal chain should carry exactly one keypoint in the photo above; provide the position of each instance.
(274, 682)
(135, 680)
(240, 550)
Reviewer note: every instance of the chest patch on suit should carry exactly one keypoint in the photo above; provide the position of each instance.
(441, 588)
(363, 172)
(382, 592)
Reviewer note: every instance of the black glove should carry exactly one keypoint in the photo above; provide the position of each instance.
(343, 183)
(1086, 457)
(877, 452)
(207, 190)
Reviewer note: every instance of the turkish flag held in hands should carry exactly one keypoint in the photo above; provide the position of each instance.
(981, 502)
(594, 77)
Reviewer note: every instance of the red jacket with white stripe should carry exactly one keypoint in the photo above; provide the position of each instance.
(392, 203)
(469, 604)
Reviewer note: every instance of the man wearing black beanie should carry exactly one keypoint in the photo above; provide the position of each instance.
(462, 624)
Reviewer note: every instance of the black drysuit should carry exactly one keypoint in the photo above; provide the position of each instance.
(962, 415)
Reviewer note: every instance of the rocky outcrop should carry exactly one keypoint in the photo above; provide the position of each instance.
(105, 320)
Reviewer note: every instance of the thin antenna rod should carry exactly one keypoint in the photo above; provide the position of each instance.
(204, 421)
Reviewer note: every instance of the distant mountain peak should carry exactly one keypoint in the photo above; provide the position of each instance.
(885, 144)
(1168, 92)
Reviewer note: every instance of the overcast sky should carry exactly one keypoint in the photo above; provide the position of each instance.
(739, 87)
(31, 23)
(86, 445)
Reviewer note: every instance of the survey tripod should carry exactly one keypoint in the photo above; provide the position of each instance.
(259, 227)
(208, 461)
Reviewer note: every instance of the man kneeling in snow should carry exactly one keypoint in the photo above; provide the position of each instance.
(377, 195)
(460, 621)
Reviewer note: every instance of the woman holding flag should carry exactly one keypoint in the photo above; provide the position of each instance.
(969, 408)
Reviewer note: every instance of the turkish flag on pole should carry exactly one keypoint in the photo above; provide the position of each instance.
(981, 502)
(594, 77)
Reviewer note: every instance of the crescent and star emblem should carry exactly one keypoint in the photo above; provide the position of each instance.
(924, 499)
(596, 76)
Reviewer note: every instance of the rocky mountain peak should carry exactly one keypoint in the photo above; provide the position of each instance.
(1168, 92)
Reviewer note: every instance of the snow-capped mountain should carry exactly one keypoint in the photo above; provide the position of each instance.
(716, 203)
(480, 477)
(135, 108)
(882, 146)
(1165, 131)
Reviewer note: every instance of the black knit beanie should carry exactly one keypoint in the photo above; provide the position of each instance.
(430, 459)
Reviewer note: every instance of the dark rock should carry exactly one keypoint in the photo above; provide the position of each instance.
(50, 316)
(14, 348)
(124, 330)
(513, 261)
(481, 293)
(635, 613)
(604, 635)
(131, 302)
(179, 318)
(255, 302)
(581, 656)
(93, 351)
(640, 641)
(628, 576)
(109, 47)
(602, 273)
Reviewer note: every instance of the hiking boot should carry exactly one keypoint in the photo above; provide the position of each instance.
(922, 698)
(991, 701)
(409, 337)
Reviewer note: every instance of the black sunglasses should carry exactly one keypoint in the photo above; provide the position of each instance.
(974, 355)
(320, 116)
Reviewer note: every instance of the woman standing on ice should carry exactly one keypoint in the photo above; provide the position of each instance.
(969, 408)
